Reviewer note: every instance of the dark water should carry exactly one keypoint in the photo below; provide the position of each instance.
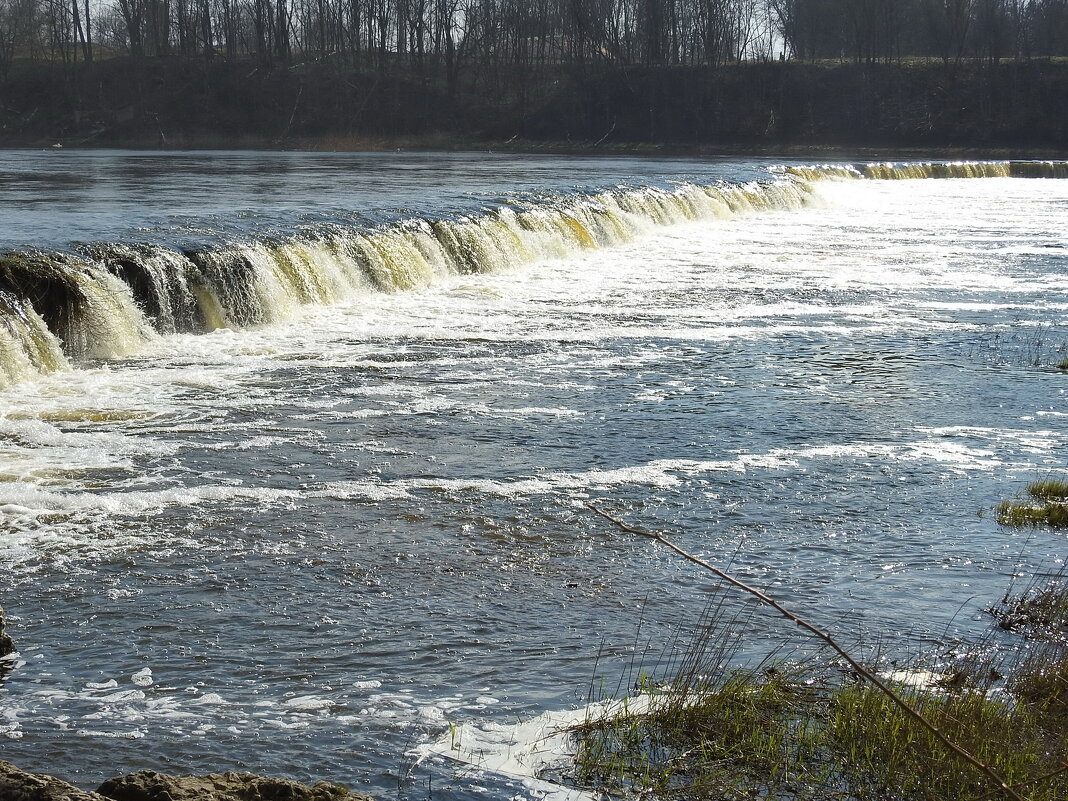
(327, 538)
(55, 197)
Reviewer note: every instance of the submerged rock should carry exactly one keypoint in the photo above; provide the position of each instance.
(147, 785)
(7, 647)
(18, 785)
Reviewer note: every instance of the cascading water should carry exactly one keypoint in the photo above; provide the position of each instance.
(27, 347)
(891, 171)
(112, 297)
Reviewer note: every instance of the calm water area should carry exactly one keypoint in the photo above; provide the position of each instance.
(304, 548)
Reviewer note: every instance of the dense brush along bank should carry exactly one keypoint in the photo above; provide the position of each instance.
(325, 104)
(294, 448)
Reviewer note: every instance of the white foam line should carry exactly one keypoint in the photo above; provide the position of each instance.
(27, 499)
(664, 473)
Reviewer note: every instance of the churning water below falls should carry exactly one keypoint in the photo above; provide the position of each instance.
(294, 449)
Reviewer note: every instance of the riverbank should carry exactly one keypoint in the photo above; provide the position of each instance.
(964, 110)
(815, 154)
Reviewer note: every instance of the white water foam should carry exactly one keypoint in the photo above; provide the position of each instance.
(527, 750)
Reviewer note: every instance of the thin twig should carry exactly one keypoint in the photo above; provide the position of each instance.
(990, 773)
(1020, 785)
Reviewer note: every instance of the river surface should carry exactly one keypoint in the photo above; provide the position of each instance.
(304, 548)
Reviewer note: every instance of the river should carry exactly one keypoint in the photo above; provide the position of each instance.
(294, 448)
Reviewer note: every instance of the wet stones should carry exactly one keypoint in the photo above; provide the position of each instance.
(18, 785)
(147, 785)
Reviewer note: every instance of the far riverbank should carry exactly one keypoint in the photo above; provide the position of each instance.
(921, 109)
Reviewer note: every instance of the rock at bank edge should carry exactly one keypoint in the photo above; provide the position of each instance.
(18, 785)
(147, 785)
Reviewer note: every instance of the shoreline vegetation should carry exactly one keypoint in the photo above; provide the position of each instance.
(831, 109)
(983, 720)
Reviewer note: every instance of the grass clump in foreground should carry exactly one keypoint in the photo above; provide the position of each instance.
(812, 732)
(1042, 684)
(751, 735)
(1048, 506)
(736, 736)
(1040, 681)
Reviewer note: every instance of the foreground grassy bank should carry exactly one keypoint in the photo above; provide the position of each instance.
(806, 729)
(174, 102)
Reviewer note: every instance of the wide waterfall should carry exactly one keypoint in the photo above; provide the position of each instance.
(105, 299)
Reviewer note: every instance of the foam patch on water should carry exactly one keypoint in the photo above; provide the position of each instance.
(139, 704)
(33, 449)
(667, 473)
(659, 474)
(37, 519)
(1030, 441)
(954, 455)
(527, 750)
(916, 678)
(308, 703)
(143, 677)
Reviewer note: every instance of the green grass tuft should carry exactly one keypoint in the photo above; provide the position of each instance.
(1040, 611)
(755, 735)
(1023, 515)
(1042, 684)
(1050, 490)
(721, 740)
(807, 731)
(885, 754)
(1047, 506)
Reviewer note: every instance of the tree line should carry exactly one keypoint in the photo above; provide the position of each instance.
(530, 33)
